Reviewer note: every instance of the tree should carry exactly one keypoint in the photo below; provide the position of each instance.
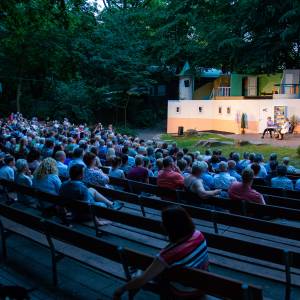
(51, 47)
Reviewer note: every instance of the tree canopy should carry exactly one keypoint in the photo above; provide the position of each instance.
(71, 58)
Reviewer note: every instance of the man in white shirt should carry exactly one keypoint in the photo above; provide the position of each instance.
(223, 180)
(194, 184)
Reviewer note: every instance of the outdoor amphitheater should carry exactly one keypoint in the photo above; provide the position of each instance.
(149, 149)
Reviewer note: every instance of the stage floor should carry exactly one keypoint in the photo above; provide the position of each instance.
(290, 140)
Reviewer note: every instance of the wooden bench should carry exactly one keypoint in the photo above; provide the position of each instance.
(275, 255)
(243, 207)
(202, 280)
(278, 192)
(216, 217)
(154, 226)
(273, 197)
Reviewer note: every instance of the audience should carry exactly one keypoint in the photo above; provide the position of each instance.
(53, 150)
(127, 157)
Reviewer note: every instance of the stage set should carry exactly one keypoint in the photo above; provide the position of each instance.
(212, 101)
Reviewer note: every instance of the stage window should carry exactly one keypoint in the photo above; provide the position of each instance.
(178, 109)
(220, 109)
(228, 110)
(187, 83)
(200, 109)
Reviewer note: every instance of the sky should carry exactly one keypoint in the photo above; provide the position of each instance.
(99, 2)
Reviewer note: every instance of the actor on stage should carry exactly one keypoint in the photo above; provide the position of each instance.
(284, 129)
(270, 128)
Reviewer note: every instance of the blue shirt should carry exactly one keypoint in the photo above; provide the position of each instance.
(282, 182)
(95, 177)
(102, 151)
(125, 168)
(208, 181)
(49, 184)
(262, 172)
(223, 180)
(117, 173)
(297, 185)
(244, 163)
(23, 179)
(75, 190)
(131, 161)
(235, 174)
(7, 172)
(77, 161)
(62, 169)
(291, 170)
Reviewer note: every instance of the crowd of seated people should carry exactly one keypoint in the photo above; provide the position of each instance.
(64, 159)
(42, 155)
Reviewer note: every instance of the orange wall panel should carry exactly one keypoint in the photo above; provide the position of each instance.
(209, 124)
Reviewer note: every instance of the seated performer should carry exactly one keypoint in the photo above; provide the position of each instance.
(270, 127)
(284, 129)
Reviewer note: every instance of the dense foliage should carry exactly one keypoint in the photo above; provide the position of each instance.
(73, 58)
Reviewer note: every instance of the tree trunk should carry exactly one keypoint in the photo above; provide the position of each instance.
(19, 93)
(125, 112)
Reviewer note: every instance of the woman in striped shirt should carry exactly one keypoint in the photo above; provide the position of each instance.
(187, 248)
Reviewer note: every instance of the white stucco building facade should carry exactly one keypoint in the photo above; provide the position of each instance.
(225, 114)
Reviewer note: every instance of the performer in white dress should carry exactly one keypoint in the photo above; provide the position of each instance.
(284, 129)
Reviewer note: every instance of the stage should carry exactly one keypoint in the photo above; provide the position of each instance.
(289, 140)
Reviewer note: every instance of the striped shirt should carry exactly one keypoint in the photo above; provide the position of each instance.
(191, 252)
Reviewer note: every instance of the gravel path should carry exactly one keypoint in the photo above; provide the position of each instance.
(149, 134)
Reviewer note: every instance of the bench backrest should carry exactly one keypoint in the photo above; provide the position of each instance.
(205, 281)
(139, 187)
(277, 191)
(250, 249)
(196, 212)
(243, 207)
(273, 197)
(18, 216)
(210, 283)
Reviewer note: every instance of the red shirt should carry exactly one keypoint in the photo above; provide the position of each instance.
(191, 252)
(240, 191)
(170, 179)
(138, 174)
